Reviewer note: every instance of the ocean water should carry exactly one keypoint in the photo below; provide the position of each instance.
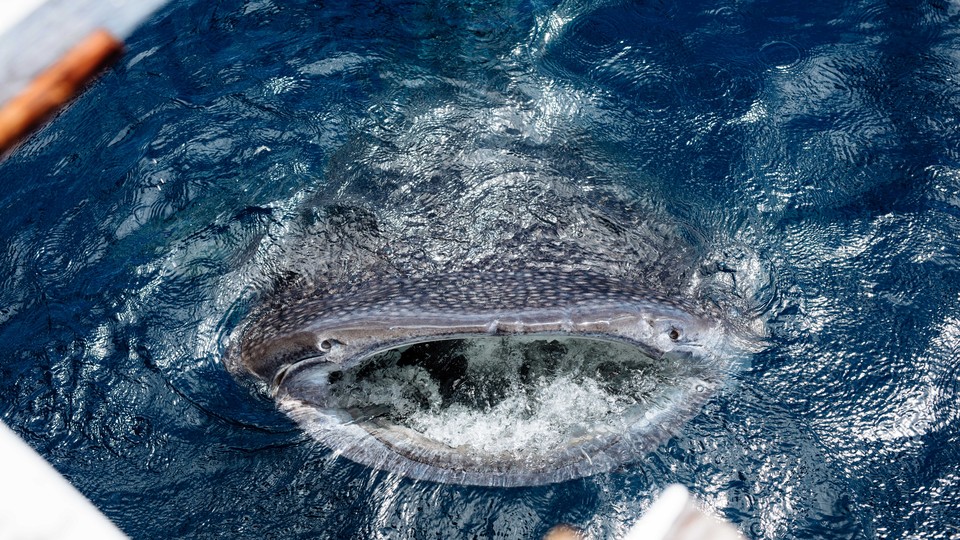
(795, 162)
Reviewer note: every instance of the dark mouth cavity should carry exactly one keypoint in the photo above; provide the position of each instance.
(480, 373)
(506, 395)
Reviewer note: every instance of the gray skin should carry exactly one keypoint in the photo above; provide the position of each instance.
(343, 328)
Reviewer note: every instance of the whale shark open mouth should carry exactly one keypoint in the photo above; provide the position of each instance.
(490, 379)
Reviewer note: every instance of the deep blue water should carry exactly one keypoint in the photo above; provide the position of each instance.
(806, 153)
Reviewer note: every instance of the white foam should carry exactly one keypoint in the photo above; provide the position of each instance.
(502, 405)
(521, 424)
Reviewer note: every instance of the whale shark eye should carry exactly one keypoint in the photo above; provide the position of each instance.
(674, 334)
(326, 345)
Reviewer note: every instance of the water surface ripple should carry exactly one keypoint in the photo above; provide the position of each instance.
(796, 162)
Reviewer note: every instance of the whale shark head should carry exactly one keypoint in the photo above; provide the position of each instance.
(491, 378)
(482, 287)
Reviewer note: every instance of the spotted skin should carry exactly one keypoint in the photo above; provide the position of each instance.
(462, 304)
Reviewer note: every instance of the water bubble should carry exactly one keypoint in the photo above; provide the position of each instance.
(779, 54)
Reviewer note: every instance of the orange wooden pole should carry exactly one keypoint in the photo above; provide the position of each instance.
(55, 86)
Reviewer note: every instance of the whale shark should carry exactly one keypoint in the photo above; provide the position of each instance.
(482, 287)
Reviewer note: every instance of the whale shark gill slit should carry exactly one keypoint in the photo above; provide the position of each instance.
(489, 378)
